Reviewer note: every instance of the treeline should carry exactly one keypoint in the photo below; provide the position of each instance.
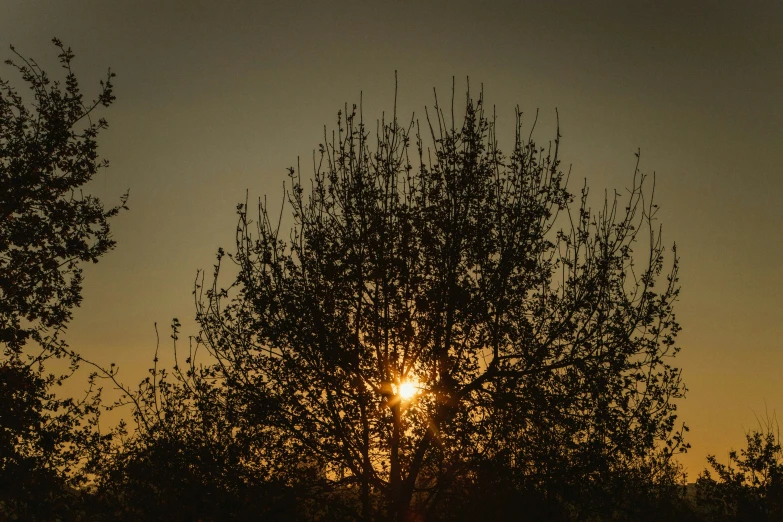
(445, 333)
(188, 460)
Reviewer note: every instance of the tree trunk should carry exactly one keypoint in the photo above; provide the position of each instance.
(395, 480)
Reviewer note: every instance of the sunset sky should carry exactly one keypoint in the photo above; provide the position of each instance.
(216, 98)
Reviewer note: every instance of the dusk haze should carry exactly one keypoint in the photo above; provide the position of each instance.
(391, 261)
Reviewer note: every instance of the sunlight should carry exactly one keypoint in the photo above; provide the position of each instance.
(407, 390)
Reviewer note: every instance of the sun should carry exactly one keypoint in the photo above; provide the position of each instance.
(407, 390)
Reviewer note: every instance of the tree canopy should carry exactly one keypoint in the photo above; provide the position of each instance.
(48, 229)
(439, 307)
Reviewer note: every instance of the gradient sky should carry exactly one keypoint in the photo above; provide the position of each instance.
(216, 100)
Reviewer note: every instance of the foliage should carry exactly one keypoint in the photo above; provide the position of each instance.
(535, 340)
(750, 486)
(48, 229)
(192, 454)
(48, 151)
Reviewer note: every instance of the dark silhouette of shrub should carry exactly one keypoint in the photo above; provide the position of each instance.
(750, 486)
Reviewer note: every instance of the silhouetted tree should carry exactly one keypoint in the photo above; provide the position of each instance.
(48, 229)
(188, 454)
(530, 335)
(750, 486)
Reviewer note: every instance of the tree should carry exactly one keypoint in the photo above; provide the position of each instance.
(48, 230)
(440, 308)
(750, 486)
(186, 456)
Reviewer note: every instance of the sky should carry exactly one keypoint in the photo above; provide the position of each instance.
(217, 98)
